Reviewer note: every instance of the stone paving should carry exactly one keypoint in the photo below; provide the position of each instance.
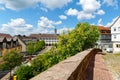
(97, 70)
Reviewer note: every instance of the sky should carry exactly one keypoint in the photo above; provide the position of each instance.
(43, 16)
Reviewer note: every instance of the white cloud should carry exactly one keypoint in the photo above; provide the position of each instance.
(64, 29)
(89, 5)
(110, 23)
(52, 4)
(90, 8)
(2, 8)
(99, 22)
(63, 17)
(21, 4)
(18, 4)
(17, 26)
(100, 12)
(44, 22)
(72, 12)
(82, 15)
(113, 3)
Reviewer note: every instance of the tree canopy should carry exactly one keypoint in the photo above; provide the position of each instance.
(83, 37)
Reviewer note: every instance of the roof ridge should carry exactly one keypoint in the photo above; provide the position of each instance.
(115, 21)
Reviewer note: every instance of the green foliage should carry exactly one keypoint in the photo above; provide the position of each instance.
(30, 48)
(84, 36)
(11, 60)
(39, 46)
(34, 47)
(89, 35)
(24, 72)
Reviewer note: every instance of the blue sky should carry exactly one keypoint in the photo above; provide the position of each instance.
(42, 16)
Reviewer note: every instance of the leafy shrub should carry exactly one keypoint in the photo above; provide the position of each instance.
(24, 72)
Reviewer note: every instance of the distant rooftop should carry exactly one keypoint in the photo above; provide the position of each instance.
(104, 30)
(2, 35)
(44, 35)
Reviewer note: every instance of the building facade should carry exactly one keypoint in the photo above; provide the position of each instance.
(105, 38)
(50, 39)
(24, 41)
(6, 43)
(115, 32)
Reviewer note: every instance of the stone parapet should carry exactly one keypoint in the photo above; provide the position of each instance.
(73, 68)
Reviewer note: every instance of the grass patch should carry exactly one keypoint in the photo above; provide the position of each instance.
(113, 63)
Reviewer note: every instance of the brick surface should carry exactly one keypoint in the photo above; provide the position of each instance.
(97, 70)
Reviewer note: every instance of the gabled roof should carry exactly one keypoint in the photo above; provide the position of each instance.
(5, 35)
(2, 39)
(115, 21)
(26, 39)
(8, 37)
(103, 28)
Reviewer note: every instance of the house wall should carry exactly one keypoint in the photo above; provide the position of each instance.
(105, 41)
(116, 47)
(115, 36)
(24, 47)
(49, 41)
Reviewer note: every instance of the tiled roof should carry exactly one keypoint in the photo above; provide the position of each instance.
(5, 35)
(44, 35)
(103, 28)
(1, 39)
(26, 39)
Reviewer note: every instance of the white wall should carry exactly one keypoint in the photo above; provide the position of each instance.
(115, 49)
(117, 38)
(116, 25)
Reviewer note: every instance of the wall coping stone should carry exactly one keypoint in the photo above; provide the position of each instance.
(64, 69)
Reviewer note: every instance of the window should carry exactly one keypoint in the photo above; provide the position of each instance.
(114, 29)
(114, 36)
(118, 28)
(118, 45)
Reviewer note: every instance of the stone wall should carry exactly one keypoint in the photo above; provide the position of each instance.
(72, 68)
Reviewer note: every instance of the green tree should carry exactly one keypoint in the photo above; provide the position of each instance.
(24, 72)
(84, 36)
(11, 60)
(89, 34)
(30, 48)
(39, 45)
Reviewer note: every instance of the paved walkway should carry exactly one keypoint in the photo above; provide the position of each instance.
(97, 70)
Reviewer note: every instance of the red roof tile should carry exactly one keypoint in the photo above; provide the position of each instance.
(103, 28)
(5, 35)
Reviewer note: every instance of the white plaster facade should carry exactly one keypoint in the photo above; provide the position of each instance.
(115, 33)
